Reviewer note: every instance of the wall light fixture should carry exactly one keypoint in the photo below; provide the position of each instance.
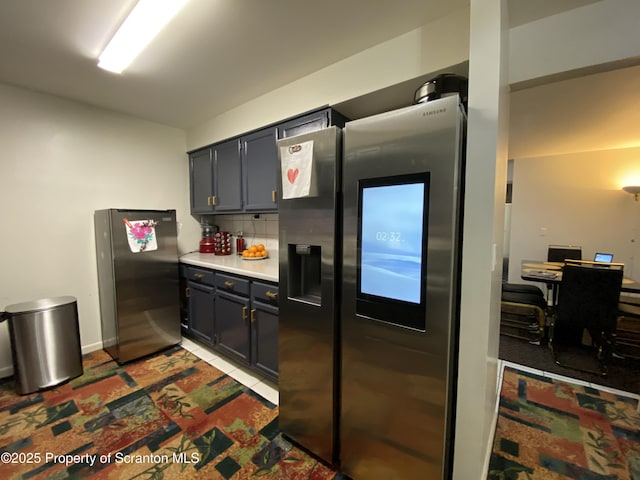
(144, 22)
(633, 190)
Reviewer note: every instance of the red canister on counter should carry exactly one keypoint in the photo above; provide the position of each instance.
(207, 243)
(239, 243)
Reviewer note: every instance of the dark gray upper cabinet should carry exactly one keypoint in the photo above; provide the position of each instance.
(240, 174)
(215, 175)
(260, 167)
(201, 179)
(227, 177)
(310, 123)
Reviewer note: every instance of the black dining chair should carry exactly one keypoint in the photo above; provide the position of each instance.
(523, 312)
(560, 253)
(627, 339)
(586, 315)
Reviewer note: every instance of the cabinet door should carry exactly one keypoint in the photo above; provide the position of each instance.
(228, 177)
(201, 312)
(232, 333)
(184, 300)
(201, 181)
(260, 167)
(264, 341)
(305, 124)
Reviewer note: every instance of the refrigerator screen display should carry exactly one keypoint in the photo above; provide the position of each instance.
(392, 248)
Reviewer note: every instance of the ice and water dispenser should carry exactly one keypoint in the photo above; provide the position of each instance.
(305, 273)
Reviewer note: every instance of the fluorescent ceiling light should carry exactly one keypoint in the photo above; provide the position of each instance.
(144, 22)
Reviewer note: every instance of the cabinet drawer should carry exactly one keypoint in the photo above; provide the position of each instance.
(233, 284)
(265, 293)
(200, 275)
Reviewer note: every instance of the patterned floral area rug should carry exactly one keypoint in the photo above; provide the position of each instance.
(169, 416)
(553, 430)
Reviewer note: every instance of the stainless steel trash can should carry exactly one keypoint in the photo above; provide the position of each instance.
(45, 342)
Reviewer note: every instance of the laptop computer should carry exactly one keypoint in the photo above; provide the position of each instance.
(603, 257)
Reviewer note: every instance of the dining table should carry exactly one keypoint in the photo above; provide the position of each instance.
(550, 273)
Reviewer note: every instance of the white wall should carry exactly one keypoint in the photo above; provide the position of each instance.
(60, 161)
(486, 175)
(593, 112)
(576, 199)
(575, 143)
(596, 34)
(430, 48)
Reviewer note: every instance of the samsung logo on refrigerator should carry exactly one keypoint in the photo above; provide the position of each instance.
(433, 112)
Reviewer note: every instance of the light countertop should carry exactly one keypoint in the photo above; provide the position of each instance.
(266, 269)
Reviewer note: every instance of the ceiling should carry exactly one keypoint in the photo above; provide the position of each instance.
(213, 56)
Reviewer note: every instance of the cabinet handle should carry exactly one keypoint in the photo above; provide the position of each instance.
(228, 284)
(198, 276)
(213, 200)
(253, 315)
(187, 292)
(273, 196)
(244, 312)
(271, 295)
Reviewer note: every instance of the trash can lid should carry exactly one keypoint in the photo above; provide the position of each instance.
(37, 305)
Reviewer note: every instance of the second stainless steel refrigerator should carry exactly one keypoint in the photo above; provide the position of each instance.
(369, 252)
(137, 262)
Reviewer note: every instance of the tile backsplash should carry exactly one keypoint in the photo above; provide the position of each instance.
(263, 229)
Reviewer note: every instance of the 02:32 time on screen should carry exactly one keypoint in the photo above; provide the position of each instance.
(388, 236)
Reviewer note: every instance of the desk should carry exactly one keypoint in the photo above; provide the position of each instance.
(551, 274)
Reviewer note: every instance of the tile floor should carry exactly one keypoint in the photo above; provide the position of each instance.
(250, 379)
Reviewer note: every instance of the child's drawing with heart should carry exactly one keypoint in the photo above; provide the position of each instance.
(296, 164)
(292, 174)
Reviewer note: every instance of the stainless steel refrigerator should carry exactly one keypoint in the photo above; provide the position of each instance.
(309, 253)
(369, 275)
(137, 262)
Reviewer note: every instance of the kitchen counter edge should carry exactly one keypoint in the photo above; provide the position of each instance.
(266, 269)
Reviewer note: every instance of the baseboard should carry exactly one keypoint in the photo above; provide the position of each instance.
(6, 371)
(494, 425)
(487, 457)
(91, 348)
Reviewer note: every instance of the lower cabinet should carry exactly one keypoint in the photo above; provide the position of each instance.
(197, 303)
(264, 328)
(184, 300)
(201, 311)
(232, 335)
(237, 316)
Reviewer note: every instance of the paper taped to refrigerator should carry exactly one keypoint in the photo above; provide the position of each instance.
(297, 166)
(141, 235)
